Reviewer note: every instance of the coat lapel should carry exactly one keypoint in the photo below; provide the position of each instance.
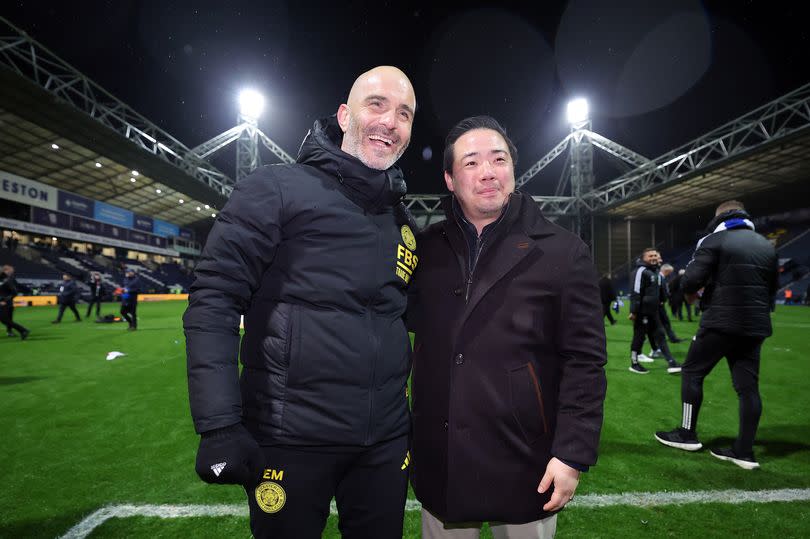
(507, 252)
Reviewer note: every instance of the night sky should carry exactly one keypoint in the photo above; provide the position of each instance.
(657, 73)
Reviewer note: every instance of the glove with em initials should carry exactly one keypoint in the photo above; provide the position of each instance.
(228, 456)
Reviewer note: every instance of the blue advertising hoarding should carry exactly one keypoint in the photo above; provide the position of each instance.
(75, 204)
(164, 229)
(113, 215)
(186, 234)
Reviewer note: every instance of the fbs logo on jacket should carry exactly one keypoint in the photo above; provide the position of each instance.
(406, 255)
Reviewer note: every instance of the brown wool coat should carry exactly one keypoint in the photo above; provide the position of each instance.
(512, 376)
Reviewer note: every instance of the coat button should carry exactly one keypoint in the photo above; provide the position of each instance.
(459, 359)
(445, 425)
(457, 291)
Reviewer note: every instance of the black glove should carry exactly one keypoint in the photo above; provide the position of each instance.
(229, 455)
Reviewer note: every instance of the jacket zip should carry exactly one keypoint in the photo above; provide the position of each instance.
(375, 343)
(479, 246)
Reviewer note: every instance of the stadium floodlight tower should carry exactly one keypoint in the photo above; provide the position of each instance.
(247, 136)
(581, 163)
(251, 106)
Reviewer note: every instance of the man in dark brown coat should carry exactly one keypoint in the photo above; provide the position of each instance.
(508, 377)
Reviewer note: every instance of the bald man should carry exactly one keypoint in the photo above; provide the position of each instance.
(317, 256)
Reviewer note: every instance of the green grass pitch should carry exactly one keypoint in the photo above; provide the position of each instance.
(78, 432)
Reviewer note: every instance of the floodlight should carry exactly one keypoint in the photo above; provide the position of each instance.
(98, 165)
(181, 201)
(577, 110)
(55, 146)
(251, 104)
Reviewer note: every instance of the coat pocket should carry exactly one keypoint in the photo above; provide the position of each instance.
(527, 402)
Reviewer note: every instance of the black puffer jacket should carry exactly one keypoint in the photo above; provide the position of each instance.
(645, 292)
(68, 292)
(8, 288)
(739, 270)
(316, 257)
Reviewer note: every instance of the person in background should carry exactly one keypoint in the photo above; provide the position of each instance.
(677, 300)
(129, 298)
(737, 269)
(8, 290)
(67, 297)
(607, 293)
(645, 304)
(95, 294)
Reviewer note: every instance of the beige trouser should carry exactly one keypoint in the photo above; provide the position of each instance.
(433, 528)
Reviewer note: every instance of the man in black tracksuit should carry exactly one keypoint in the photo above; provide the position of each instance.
(739, 270)
(68, 294)
(129, 298)
(677, 300)
(8, 289)
(95, 294)
(645, 301)
(317, 256)
(607, 293)
(664, 271)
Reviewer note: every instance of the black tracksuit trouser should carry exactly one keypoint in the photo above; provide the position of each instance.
(291, 500)
(130, 313)
(606, 312)
(97, 303)
(7, 318)
(71, 306)
(742, 353)
(650, 327)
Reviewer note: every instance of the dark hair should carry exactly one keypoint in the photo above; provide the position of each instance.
(647, 250)
(468, 124)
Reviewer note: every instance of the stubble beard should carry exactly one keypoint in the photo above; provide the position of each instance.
(356, 148)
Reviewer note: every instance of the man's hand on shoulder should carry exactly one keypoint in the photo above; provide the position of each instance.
(565, 480)
(229, 455)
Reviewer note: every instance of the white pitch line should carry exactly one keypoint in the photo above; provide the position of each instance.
(636, 499)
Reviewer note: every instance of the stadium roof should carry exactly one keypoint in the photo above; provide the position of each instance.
(781, 169)
(32, 121)
(761, 156)
(59, 128)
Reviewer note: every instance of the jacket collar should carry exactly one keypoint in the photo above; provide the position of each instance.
(728, 220)
(370, 189)
(521, 209)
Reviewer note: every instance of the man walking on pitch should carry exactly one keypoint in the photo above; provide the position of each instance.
(8, 290)
(739, 269)
(129, 299)
(645, 303)
(68, 294)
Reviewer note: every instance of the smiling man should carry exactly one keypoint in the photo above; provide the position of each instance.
(317, 256)
(508, 377)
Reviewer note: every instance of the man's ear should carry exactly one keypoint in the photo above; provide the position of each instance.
(448, 180)
(343, 117)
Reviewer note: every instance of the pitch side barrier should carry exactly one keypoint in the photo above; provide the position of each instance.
(36, 301)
